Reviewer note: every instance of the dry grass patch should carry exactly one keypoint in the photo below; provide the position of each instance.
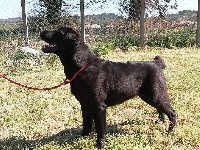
(52, 119)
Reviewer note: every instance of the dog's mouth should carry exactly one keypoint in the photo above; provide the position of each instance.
(49, 48)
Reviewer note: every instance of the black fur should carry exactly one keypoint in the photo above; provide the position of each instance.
(105, 83)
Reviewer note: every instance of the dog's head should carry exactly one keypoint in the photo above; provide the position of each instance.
(64, 38)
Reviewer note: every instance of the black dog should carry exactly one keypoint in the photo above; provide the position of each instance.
(104, 83)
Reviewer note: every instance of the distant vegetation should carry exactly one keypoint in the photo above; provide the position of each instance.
(176, 30)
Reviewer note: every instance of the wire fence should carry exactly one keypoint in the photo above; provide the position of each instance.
(103, 24)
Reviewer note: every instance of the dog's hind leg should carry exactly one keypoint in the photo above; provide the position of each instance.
(99, 113)
(163, 107)
(166, 108)
(161, 115)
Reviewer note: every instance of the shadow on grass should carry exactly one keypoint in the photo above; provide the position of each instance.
(62, 138)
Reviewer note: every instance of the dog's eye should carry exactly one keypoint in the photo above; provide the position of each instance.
(61, 31)
(49, 35)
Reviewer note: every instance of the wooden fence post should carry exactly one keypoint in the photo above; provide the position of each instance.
(198, 26)
(82, 19)
(24, 18)
(142, 23)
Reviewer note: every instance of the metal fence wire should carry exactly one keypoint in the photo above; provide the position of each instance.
(104, 23)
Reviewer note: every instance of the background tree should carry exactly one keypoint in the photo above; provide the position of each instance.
(53, 10)
(133, 7)
(52, 13)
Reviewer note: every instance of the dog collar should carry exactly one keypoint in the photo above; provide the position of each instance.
(70, 80)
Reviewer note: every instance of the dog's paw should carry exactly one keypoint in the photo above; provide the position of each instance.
(100, 144)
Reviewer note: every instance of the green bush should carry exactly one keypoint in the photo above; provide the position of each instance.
(185, 38)
(103, 48)
(165, 38)
(122, 42)
(127, 41)
(168, 38)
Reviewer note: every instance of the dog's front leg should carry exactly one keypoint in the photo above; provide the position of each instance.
(99, 113)
(87, 120)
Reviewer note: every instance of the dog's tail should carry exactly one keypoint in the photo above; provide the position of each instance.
(159, 62)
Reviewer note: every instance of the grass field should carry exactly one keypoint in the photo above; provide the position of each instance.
(48, 120)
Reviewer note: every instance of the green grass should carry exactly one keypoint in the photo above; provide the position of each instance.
(46, 120)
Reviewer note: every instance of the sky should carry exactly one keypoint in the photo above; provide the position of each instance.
(12, 8)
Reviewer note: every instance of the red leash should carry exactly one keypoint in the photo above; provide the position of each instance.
(66, 81)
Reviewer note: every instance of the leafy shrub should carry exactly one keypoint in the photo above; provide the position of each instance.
(122, 42)
(184, 37)
(12, 31)
(168, 38)
(127, 41)
(102, 48)
(21, 59)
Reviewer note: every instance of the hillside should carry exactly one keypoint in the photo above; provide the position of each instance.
(186, 15)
